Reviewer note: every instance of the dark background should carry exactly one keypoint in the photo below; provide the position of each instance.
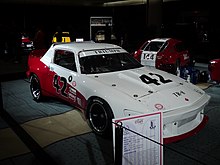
(186, 20)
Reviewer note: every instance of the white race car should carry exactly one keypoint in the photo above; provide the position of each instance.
(106, 82)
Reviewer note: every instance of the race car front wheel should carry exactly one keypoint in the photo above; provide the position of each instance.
(100, 116)
(35, 88)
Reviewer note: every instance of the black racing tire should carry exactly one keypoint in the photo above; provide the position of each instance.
(35, 88)
(99, 117)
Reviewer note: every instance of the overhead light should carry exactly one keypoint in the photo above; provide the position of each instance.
(125, 2)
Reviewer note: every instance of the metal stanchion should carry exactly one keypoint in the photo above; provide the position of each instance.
(118, 144)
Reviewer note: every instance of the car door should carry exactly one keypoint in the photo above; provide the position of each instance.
(62, 75)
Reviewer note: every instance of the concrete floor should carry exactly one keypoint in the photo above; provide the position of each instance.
(53, 132)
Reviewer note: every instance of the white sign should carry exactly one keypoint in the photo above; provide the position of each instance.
(100, 21)
(103, 24)
(142, 136)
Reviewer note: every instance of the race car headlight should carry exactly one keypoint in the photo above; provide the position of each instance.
(128, 112)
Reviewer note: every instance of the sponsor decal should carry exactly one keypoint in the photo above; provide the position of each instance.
(74, 83)
(72, 91)
(107, 51)
(72, 97)
(70, 78)
(179, 93)
(72, 94)
(79, 101)
(60, 84)
(198, 91)
(158, 106)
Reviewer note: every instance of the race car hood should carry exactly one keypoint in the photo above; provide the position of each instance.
(153, 87)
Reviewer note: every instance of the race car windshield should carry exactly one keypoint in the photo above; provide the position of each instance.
(154, 46)
(107, 63)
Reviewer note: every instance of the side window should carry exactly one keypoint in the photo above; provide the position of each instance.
(163, 46)
(65, 59)
(153, 46)
(144, 46)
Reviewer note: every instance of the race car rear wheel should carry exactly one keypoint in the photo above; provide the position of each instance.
(35, 88)
(100, 116)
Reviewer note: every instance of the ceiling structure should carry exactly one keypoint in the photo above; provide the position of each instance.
(80, 2)
(62, 2)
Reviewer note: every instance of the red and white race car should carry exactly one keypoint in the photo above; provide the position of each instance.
(214, 70)
(106, 82)
(166, 54)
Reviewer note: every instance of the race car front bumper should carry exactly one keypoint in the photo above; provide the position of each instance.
(183, 123)
(187, 134)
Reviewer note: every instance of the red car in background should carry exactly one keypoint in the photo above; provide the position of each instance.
(214, 70)
(166, 54)
(26, 42)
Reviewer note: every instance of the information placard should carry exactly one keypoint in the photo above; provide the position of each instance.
(141, 139)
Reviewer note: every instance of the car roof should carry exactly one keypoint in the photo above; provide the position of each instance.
(76, 47)
(160, 39)
(84, 46)
(170, 40)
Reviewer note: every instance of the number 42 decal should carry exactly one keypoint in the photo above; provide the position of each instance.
(60, 87)
(150, 80)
